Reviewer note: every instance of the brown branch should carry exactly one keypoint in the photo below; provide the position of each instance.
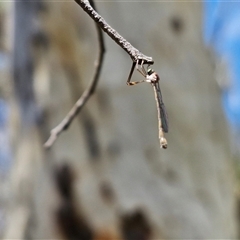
(134, 53)
(66, 122)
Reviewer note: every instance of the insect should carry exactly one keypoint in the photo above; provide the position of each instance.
(152, 77)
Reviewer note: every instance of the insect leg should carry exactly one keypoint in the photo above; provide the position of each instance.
(143, 69)
(140, 70)
(131, 72)
(129, 83)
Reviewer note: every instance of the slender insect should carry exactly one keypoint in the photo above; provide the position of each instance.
(152, 77)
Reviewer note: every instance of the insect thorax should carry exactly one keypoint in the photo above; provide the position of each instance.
(150, 71)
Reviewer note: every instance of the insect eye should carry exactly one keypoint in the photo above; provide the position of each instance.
(150, 71)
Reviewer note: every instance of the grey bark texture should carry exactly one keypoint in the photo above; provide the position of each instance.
(106, 176)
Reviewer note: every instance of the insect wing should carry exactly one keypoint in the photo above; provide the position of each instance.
(163, 112)
(164, 118)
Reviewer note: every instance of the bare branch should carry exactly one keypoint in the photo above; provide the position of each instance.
(66, 122)
(134, 53)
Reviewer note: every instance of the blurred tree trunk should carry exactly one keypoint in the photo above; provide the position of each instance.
(27, 142)
(107, 178)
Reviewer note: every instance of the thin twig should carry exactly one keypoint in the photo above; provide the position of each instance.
(134, 53)
(55, 132)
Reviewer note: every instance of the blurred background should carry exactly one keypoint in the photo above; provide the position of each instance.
(106, 177)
